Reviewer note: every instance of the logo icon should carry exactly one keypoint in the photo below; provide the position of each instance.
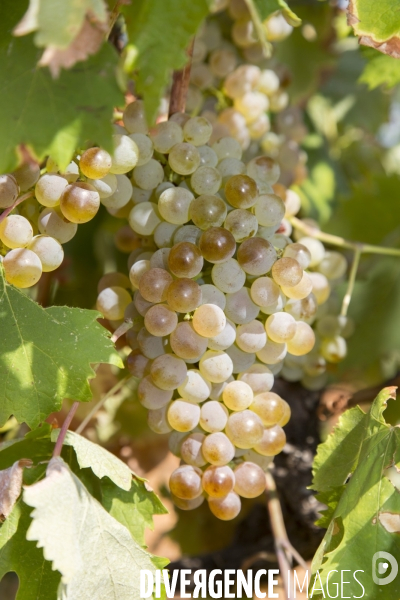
(380, 568)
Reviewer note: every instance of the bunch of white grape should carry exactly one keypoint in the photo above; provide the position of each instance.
(218, 295)
(33, 233)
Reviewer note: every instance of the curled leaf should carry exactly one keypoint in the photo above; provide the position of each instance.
(10, 486)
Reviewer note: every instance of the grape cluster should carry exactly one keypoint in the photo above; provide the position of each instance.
(218, 293)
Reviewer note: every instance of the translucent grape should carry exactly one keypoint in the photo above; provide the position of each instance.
(208, 211)
(22, 267)
(49, 250)
(229, 167)
(185, 260)
(106, 186)
(9, 190)
(195, 387)
(264, 291)
(241, 191)
(95, 163)
(280, 327)
(228, 277)
(151, 345)
(208, 157)
(149, 175)
(125, 155)
(244, 429)
(277, 306)
(216, 366)
(191, 449)
(334, 349)
(138, 364)
(227, 147)
(237, 395)
(333, 265)
(197, 131)
(15, 231)
(139, 195)
(151, 396)
(144, 218)
(251, 337)
(269, 407)
(183, 415)
(201, 76)
(137, 270)
(268, 82)
(272, 353)
(141, 304)
(287, 272)
(49, 189)
(241, 224)
(112, 302)
(112, 279)
(145, 147)
(153, 284)
(259, 377)
(225, 339)
(217, 245)
(168, 372)
(226, 508)
(134, 117)
(213, 416)
(218, 481)
(187, 233)
(302, 309)
(212, 295)
(315, 248)
(240, 308)
(25, 175)
(186, 343)
(241, 360)
(206, 180)
(187, 504)
(320, 287)
(160, 320)
(269, 210)
(222, 62)
(157, 420)
(165, 135)
(303, 340)
(185, 482)
(121, 195)
(259, 126)
(300, 290)
(183, 295)
(251, 105)
(52, 222)
(184, 158)
(163, 234)
(217, 449)
(272, 442)
(256, 256)
(174, 204)
(79, 202)
(249, 480)
(241, 80)
(300, 253)
(209, 320)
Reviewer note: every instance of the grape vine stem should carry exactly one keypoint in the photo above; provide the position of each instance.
(121, 330)
(64, 429)
(7, 211)
(351, 282)
(114, 390)
(284, 550)
(180, 85)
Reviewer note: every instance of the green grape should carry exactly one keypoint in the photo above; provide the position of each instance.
(268, 82)
(226, 508)
(256, 256)
(249, 480)
(315, 248)
(26, 175)
(112, 302)
(187, 504)
(168, 372)
(49, 250)
(157, 420)
(272, 442)
(137, 270)
(298, 252)
(150, 345)
(241, 80)
(201, 76)
(216, 366)
(228, 277)
(217, 449)
(151, 396)
(206, 180)
(95, 163)
(225, 339)
(304, 309)
(333, 265)
(269, 407)
(145, 147)
(191, 449)
(303, 340)
(241, 224)
(107, 186)
(9, 190)
(251, 337)
(237, 395)
(251, 105)
(185, 260)
(113, 279)
(16, 231)
(144, 218)
(218, 481)
(222, 62)
(259, 377)
(134, 117)
(160, 320)
(22, 267)
(163, 234)
(207, 211)
(277, 28)
(264, 169)
(187, 233)
(269, 210)
(240, 360)
(183, 415)
(208, 320)
(264, 291)
(183, 295)
(153, 285)
(240, 308)
(300, 290)
(149, 175)
(138, 364)
(208, 157)
(217, 245)
(52, 222)
(241, 191)
(197, 131)
(195, 387)
(320, 287)
(79, 202)
(280, 327)
(227, 147)
(333, 349)
(184, 158)
(174, 204)
(185, 482)
(165, 135)
(287, 272)
(212, 295)
(186, 343)
(244, 429)
(213, 416)
(49, 189)
(125, 155)
(229, 167)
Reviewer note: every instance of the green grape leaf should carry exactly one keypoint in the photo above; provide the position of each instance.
(266, 8)
(94, 553)
(37, 580)
(160, 31)
(36, 445)
(134, 508)
(93, 456)
(46, 355)
(51, 116)
(365, 507)
(376, 24)
(380, 70)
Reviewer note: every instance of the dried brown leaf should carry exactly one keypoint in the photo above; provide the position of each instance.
(373, 32)
(10, 486)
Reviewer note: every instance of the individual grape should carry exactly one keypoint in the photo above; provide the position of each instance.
(333, 349)
(256, 256)
(137, 270)
(264, 291)
(49, 189)
(269, 210)
(112, 302)
(228, 277)
(95, 163)
(159, 260)
(303, 340)
(26, 175)
(251, 337)
(277, 28)
(151, 345)
(269, 407)
(164, 233)
(209, 320)
(207, 211)
(53, 223)
(185, 260)
(145, 147)
(16, 231)
(149, 175)
(268, 82)
(184, 158)
(218, 388)
(280, 327)
(175, 440)
(121, 195)
(199, 51)
(206, 180)
(226, 508)
(259, 126)
(217, 449)
(258, 377)
(201, 76)
(320, 287)
(216, 366)
(315, 248)
(165, 135)
(138, 195)
(197, 131)
(183, 415)
(195, 387)
(249, 480)
(49, 250)
(237, 395)
(157, 420)
(151, 396)
(243, 33)
(174, 204)
(277, 306)
(272, 442)
(213, 416)
(300, 290)
(9, 190)
(185, 482)
(272, 353)
(241, 191)
(298, 252)
(304, 309)
(134, 117)
(22, 267)
(191, 449)
(212, 295)
(241, 80)
(187, 233)
(106, 186)
(138, 364)
(186, 343)
(112, 279)
(187, 504)
(262, 461)
(333, 265)
(144, 218)
(278, 102)
(141, 304)
(241, 224)
(208, 157)
(287, 272)
(153, 284)
(127, 240)
(229, 167)
(244, 429)
(251, 105)
(241, 360)
(286, 416)
(240, 308)
(225, 339)
(183, 295)
(227, 147)
(125, 155)
(264, 169)
(217, 245)
(160, 320)
(168, 372)
(218, 481)
(79, 202)
(222, 62)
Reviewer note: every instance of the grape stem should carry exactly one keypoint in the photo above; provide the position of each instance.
(114, 390)
(121, 330)
(180, 85)
(262, 38)
(7, 211)
(284, 550)
(64, 429)
(351, 282)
